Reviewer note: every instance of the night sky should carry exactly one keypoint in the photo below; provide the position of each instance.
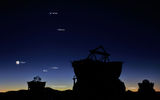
(44, 37)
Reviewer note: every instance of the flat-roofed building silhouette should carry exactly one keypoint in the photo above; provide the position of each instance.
(36, 84)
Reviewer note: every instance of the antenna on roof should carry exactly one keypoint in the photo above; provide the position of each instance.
(37, 79)
(99, 51)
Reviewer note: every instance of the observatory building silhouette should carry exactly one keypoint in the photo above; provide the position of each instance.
(146, 87)
(36, 85)
(96, 76)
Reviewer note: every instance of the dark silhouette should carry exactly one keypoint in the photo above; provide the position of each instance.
(146, 89)
(94, 75)
(36, 88)
(36, 85)
(145, 92)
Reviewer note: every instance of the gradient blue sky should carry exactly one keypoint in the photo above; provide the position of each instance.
(127, 30)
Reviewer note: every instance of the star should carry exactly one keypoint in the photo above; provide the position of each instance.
(54, 68)
(45, 70)
(53, 13)
(61, 29)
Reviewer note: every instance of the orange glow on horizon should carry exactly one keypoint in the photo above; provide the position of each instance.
(136, 89)
(16, 89)
(62, 88)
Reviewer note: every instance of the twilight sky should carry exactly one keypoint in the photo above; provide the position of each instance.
(46, 36)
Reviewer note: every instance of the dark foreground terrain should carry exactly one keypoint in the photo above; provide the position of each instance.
(47, 94)
(51, 94)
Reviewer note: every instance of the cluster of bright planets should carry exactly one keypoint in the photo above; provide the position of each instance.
(51, 13)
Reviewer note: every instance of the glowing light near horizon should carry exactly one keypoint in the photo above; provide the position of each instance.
(132, 88)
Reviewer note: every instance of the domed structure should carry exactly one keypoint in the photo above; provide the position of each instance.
(146, 87)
